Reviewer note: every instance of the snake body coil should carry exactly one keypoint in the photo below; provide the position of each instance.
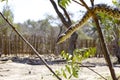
(99, 8)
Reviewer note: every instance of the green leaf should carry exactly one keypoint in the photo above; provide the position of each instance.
(93, 51)
(74, 59)
(3, 0)
(64, 3)
(64, 74)
(72, 68)
(75, 73)
(114, 1)
(58, 73)
(66, 55)
(86, 55)
(68, 69)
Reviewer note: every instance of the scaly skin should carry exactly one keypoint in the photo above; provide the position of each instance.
(99, 8)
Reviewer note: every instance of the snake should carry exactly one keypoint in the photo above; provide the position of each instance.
(98, 8)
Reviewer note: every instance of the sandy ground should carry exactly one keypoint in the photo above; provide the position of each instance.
(10, 70)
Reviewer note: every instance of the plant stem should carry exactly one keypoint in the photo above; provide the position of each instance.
(35, 51)
(106, 52)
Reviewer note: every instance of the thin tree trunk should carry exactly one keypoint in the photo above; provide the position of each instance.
(72, 43)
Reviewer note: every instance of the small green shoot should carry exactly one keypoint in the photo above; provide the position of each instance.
(72, 68)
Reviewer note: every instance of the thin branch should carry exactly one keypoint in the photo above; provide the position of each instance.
(92, 2)
(60, 30)
(91, 70)
(106, 54)
(59, 14)
(66, 14)
(77, 2)
(86, 6)
(35, 51)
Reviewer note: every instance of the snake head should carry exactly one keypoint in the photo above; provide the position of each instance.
(61, 38)
(65, 35)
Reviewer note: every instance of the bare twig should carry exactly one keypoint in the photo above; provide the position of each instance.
(92, 2)
(66, 14)
(91, 70)
(60, 30)
(60, 14)
(106, 54)
(85, 5)
(35, 51)
(77, 2)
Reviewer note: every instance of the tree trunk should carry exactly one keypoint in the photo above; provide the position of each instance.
(72, 43)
